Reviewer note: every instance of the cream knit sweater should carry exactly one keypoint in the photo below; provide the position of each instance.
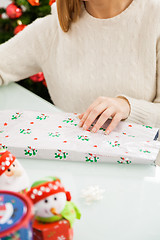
(97, 57)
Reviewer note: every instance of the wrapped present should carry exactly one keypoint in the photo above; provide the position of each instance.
(59, 230)
(57, 136)
(15, 216)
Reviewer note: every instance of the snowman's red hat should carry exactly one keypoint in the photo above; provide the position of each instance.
(6, 159)
(43, 189)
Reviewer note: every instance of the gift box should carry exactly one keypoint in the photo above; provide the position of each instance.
(59, 230)
(57, 136)
(15, 216)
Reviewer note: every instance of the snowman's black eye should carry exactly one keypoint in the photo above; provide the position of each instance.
(55, 198)
(46, 201)
(8, 169)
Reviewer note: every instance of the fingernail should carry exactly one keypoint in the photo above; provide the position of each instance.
(84, 127)
(107, 132)
(94, 130)
(80, 124)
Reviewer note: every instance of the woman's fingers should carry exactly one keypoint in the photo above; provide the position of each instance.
(93, 105)
(103, 118)
(105, 107)
(115, 120)
(80, 116)
(98, 110)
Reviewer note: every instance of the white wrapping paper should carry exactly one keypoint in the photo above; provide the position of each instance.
(57, 136)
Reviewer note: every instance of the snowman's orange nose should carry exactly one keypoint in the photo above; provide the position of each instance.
(53, 211)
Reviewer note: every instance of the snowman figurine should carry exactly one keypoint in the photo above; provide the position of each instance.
(12, 175)
(51, 201)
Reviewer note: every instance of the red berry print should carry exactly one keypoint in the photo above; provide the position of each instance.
(31, 122)
(35, 138)
(5, 124)
(59, 126)
(129, 125)
(65, 141)
(95, 146)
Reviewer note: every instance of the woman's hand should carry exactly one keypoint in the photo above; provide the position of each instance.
(118, 108)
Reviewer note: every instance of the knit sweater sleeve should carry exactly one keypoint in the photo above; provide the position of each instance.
(24, 54)
(142, 111)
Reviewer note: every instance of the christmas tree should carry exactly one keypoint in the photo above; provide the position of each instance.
(13, 19)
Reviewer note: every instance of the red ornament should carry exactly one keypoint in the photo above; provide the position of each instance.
(13, 11)
(19, 28)
(34, 2)
(44, 83)
(51, 2)
(39, 77)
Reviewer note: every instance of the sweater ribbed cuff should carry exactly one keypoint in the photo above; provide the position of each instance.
(139, 110)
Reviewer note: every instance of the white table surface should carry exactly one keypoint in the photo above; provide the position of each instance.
(130, 209)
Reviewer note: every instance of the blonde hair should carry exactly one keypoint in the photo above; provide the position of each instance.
(68, 12)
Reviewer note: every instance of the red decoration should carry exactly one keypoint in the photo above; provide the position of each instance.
(6, 159)
(68, 196)
(35, 197)
(13, 11)
(44, 83)
(19, 28)
(39, 77)
(51, 2)
(34, 2)
(55, 230)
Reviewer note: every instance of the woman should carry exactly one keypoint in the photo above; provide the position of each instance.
(99, 57)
